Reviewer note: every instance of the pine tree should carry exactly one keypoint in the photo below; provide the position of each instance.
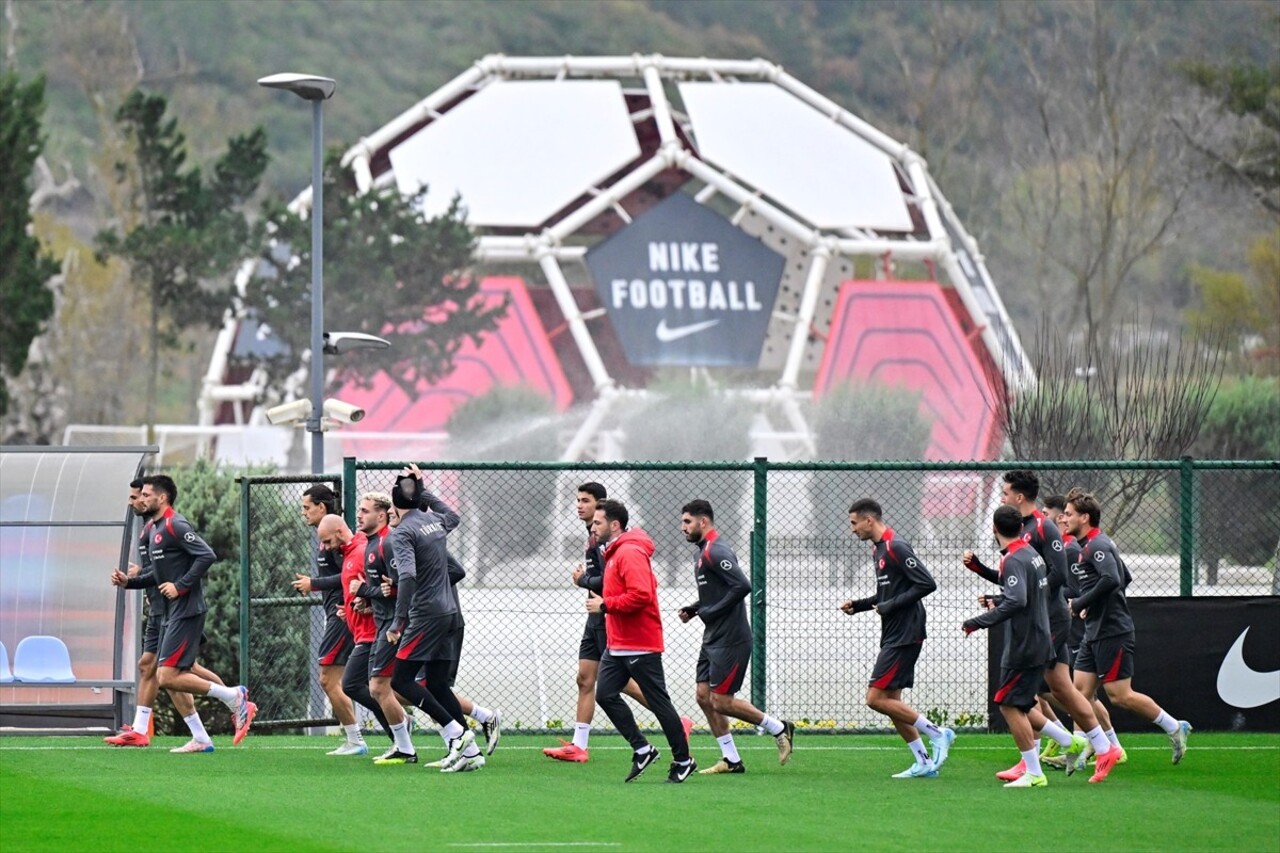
(24, 270)
(190, 230)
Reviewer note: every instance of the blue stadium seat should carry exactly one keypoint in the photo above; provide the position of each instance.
(44, 660)
(5, 675)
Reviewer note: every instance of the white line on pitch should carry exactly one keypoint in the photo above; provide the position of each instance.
(535, 844)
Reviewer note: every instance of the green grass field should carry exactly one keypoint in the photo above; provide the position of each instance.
(284, 793)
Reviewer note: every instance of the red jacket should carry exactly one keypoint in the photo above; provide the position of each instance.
(361, 625)
(631, 619)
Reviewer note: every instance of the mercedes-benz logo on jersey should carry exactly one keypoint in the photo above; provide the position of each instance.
(190, 537)
(1242, 686)
(911, 562)
(1013, 580)
(1099, 557)
(1057, 544)
(726, 564)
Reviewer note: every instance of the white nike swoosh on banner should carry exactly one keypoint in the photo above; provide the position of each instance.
(667, 335)
(1242, 687)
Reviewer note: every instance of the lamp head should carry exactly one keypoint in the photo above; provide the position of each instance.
(306, 86)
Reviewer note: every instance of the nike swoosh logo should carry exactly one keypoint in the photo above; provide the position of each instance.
(1242, 687)
(667, 334)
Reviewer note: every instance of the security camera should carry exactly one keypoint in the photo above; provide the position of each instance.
(289, 413)
(338, 343)
(346, 413)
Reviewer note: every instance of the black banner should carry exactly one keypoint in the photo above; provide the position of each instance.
(1214, 662)
(683, 285)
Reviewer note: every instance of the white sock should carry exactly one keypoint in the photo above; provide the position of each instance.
(400, 731)
(1057, 732)
(1111, 736)
(480, 715)
(1039, 744)
(729, 749)
(772, 725)
(1098, 740)
(1032, 759)
(922, 724)
(922, 755)
(1164, 721)
(225, 695)
(453, 730)
(141, 719)
(581, 734)
(354, 734)
(197, 728)
(645, 750)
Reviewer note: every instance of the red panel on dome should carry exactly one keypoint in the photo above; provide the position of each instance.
(909, 334)
(516, 353)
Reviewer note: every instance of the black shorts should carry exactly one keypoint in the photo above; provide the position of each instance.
(1018, 687)
(180, 642)
(151, 634)
(896, 667)
(335, 645)
(723, 668)
(593, 642)
(428, 640)
(456, 639)
(1110, 658)
(382, 658)
(1075, 639)
(1059, 636)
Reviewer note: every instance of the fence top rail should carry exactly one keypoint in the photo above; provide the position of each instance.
(897, 465)
(290, 478)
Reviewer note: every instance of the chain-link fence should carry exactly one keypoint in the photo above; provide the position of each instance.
(1184, 527)
(280, 629)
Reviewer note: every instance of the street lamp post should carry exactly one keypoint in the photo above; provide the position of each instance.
(317, 90)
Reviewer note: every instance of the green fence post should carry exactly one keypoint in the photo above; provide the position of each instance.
(245, 540)
(759, 584)
(348, 486)
(1187, 525)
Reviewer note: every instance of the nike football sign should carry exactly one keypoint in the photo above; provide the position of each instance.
(683, 285)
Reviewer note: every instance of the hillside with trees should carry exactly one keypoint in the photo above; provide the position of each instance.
(1108, 156)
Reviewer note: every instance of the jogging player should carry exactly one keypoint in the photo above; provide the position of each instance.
(1023, 608)
(148, 686)
(177, 560)
(1054, 506)
(633, 627)
(426, 619)
(589, 574)
(1106, 655)
(1019, 490)
(338, 538)
(726, 640)
(902, 581)
(336, 643)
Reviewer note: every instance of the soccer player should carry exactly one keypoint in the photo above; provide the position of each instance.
(336, 643)
(148, 685)
(337, 538)
(1023, 608)
(1106, 655)
(726, 640)
(178, 560)
(902, 581)
(426, 618)
(1054, 506)
(1019, 490)
(373, 515)
(589, 575)
(633, 629)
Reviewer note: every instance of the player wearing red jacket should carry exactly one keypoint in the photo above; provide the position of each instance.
(633, 629)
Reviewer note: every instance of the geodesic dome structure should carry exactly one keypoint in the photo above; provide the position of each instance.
(708, 212)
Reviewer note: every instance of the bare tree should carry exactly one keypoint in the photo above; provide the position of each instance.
(1144, 396)
(1106, 174)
